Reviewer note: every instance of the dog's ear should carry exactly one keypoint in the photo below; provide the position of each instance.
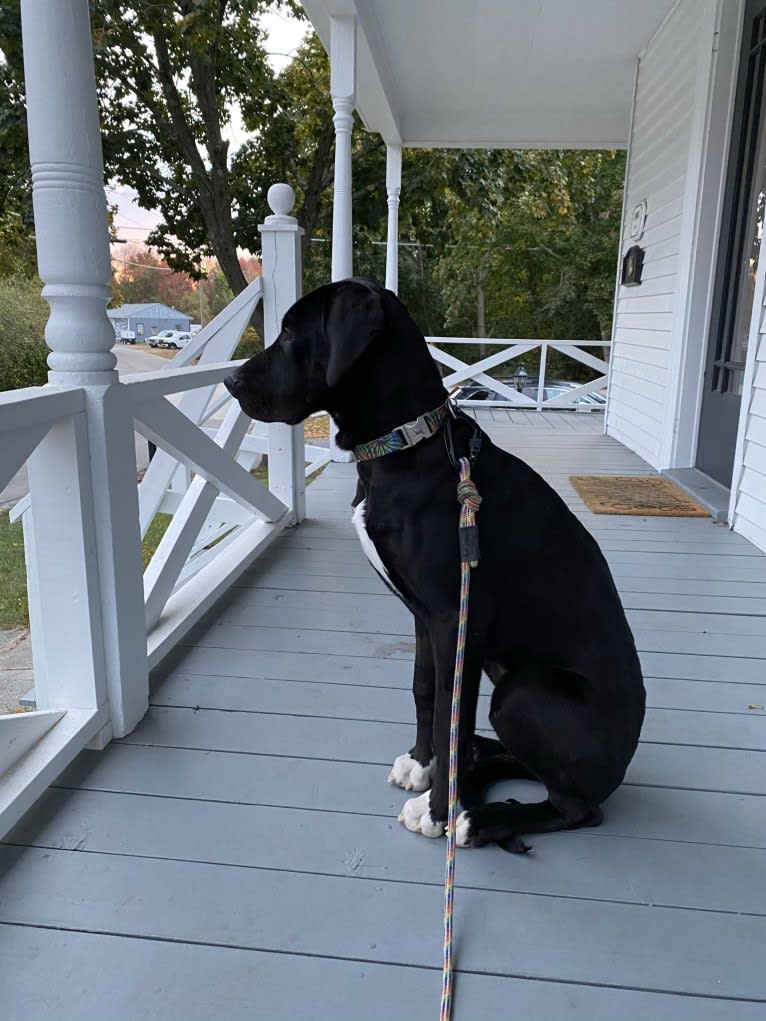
(353, 317)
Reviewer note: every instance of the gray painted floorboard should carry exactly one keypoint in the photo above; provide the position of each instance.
(238, 855)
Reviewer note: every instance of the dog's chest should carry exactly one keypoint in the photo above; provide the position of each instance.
(359, 521)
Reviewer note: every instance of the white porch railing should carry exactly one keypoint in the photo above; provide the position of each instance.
(48, 428)
(97, 625)
(478, 372)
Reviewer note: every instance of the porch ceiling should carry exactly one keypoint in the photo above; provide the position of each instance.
(521, 74)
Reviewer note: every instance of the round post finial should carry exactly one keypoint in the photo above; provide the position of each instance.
(281, 199)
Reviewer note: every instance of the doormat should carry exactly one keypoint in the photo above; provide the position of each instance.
(648, 495)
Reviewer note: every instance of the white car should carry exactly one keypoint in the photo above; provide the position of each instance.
(170, 338)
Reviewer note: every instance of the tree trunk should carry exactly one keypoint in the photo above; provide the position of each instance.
(212, 185)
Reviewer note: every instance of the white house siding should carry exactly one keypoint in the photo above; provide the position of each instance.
(750, 498)
(663, 168)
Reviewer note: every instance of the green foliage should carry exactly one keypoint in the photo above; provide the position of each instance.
(23, 315)
(16, 225)
(250, 344)
(154, 533)
(14, 612)
(538, 231)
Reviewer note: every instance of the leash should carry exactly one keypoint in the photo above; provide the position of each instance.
(469, 499)
(401, 438)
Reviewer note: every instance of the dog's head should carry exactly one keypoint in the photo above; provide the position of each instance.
(338, 346)
(322, 335)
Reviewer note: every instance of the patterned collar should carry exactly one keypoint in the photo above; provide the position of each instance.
(404, 436)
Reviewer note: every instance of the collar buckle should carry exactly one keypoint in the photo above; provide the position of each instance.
(414, 432)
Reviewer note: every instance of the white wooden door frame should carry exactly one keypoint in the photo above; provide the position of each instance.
(702, 213)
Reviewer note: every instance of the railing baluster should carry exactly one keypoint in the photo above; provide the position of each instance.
(541, 376)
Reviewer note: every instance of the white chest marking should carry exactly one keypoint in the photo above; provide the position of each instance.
(359, 521)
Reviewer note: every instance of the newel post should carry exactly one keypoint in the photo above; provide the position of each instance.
(88, 592)
(393, 188)
(282, 285)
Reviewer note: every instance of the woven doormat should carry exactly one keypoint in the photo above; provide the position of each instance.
(643, 495)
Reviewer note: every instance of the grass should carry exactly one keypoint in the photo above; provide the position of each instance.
(154, 533)
(14, 612)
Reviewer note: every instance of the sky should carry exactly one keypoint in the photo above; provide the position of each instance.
(134, 223)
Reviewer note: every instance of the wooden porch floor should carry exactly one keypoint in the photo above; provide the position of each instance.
(238, 858)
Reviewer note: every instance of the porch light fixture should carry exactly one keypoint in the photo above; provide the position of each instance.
(520, 377)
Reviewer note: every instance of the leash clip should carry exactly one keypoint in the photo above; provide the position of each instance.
(474, 446)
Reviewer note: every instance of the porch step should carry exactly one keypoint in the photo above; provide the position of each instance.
(711, 494)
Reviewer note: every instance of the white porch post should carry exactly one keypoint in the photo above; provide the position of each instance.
(393, 188)
(282, 285)
(343, 92)
(108, 645)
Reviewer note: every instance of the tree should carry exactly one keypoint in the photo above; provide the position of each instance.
(17, 247)
(171, 76)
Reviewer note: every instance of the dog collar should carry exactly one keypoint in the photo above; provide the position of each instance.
(404, 436)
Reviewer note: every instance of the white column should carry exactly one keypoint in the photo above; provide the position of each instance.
(73, 258)
(393, 188)
(343, 92)
(282, 284)
(68, 190)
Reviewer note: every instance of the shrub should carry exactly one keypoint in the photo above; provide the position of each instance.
(250, 344)
(23, 315)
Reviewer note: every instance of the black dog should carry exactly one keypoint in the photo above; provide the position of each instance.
(545, 622)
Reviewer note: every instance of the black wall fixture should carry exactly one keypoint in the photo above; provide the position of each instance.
(632, 264)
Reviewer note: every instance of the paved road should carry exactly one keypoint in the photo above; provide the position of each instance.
(129, 359)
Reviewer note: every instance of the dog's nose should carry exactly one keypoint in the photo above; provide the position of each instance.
(231, 383)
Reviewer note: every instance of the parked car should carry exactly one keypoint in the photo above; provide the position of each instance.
(553, 388)
(170, 338)
(127, 337)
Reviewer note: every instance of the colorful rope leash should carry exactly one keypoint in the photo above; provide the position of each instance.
(469, 499)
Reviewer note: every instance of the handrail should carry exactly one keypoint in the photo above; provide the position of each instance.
(146, 386)
(530, 343)
(34, 406)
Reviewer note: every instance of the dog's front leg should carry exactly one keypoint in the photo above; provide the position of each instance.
(413, 770)
(428, 813)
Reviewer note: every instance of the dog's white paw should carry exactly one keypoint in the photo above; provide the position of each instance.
(408, 774)
(416, 817)
(463, 830)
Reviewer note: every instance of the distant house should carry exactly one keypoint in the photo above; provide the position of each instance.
(137, 322)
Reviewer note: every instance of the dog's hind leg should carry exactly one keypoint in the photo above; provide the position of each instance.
(544, 720)
(505, 821)
(413, 770)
